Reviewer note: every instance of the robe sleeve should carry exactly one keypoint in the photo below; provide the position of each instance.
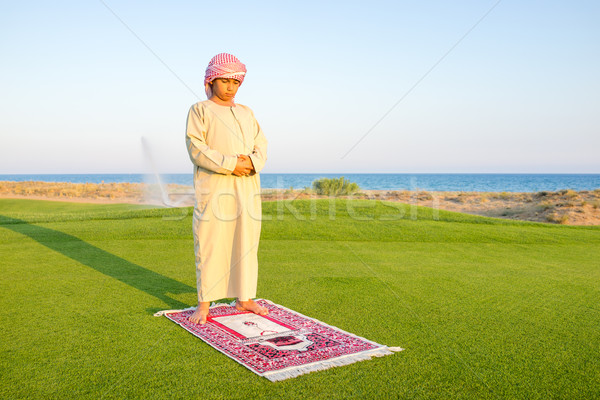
(259, 153)
(200, 153)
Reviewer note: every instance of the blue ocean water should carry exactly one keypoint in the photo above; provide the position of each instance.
(432, 182)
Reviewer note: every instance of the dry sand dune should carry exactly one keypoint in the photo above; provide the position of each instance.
(563, 207)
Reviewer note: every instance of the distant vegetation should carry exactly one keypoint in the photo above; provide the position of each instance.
(68, 190)
(335, 187)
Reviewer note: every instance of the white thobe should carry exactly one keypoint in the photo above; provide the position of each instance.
(227, 212)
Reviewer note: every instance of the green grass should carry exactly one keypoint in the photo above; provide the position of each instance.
(485, 308)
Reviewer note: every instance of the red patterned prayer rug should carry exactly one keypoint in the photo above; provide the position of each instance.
(280, 345)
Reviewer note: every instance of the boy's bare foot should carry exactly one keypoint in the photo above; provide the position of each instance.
(201, 314)
(251, 305)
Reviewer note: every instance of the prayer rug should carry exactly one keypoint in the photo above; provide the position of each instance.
(280, 345)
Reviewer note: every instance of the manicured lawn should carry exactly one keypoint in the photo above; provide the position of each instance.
(485, 308)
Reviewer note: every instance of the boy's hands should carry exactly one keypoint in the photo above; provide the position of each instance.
(244, 166)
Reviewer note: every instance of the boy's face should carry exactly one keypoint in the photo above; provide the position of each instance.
(224, 89)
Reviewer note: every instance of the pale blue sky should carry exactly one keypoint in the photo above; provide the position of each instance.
(520, 93)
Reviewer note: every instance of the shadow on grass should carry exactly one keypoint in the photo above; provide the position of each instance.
(102, 261)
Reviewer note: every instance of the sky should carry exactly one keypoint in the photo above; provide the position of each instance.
(375, 87)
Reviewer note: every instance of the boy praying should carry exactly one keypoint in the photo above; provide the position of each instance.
(228, 149)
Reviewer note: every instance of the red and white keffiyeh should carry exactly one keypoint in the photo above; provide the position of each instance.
(223, 65)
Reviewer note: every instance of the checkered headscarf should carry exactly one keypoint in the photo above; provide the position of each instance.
(223, 65)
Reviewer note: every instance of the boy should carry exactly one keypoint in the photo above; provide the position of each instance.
(228, 150)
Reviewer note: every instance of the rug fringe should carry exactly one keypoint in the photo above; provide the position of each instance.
(293, 372)
(163, 312)
(213, 304)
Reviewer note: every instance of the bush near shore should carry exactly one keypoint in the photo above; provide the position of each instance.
(335, 187)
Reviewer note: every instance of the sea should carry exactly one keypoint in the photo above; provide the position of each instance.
(417, 181)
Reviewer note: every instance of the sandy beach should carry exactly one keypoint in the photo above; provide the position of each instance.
(566, 207)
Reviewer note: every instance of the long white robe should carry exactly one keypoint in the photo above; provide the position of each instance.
(227, 212)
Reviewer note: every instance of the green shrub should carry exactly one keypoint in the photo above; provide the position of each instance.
(569, 193)
(425, 196)
(559, 219)
(544, 206)
(335, 186)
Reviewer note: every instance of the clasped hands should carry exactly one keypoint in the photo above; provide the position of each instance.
(244, 166)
